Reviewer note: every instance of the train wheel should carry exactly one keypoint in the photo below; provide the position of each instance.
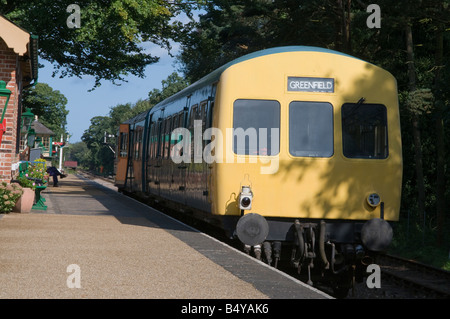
(342, 285)
(340, 292)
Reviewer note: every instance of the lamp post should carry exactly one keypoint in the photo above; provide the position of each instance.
(27, 119)
(30, 134)
(31, 137)
(6, 93)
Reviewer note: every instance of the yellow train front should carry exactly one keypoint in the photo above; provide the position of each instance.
(301, 157)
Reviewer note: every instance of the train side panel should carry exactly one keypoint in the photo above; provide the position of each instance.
(185, 183)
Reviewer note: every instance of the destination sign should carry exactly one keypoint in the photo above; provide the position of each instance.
(307, 84)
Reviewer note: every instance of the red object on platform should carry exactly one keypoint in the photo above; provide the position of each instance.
(2, 130)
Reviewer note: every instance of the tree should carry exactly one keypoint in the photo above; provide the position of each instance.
(173, 84)
(80, 153)
(100, 154)
(109, 44)
(230, 29)
(49, 105)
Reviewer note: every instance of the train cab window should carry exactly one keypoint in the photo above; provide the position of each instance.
(364, 131)
(123, 139)
(256, 127)
(311, 129)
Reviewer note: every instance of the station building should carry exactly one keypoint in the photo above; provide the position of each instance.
(19, 70)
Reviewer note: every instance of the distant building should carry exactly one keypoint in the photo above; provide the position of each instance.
(44, 139)
(19, 69)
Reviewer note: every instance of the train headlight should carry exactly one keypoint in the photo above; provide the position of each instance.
(245, 198)
(373, 199)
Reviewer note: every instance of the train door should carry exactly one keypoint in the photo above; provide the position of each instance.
(130, 169)
(172, 166)
(159, 148)
(165, 175)
(179, 173)
(122, 155)
(138, 148)
(208, 166)
(152, 151)
(192, 171)
(203, 113)
(147, 154)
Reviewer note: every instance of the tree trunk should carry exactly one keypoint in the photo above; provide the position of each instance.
(415, 124)
(440, 148)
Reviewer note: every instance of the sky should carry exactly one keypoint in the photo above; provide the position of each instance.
(84, 105)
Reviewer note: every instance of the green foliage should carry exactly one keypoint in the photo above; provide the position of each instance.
(9, 194)
(419, 101)
(109, 43)
(49, 105)
(417, 241)
(26, 183)
(173, 84)
(79, 152)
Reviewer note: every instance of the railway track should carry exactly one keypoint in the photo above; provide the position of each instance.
(425, 280)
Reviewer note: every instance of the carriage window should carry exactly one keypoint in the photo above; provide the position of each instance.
(193, 116)
(256, 127)
(153, 139)
(138, 142)
(364, 130)
(167, 137)
(158, 137)
(175, 121)
(311, 129)
(162, 138)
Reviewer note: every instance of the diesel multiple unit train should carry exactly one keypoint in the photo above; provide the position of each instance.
(295, 151)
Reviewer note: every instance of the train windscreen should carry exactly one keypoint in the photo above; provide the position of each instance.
(256, 126)
(311, 129)
(364, 130)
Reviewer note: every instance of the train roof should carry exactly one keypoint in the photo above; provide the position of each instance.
(137, 118)
(215, 75)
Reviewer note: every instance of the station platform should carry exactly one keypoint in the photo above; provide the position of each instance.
(93, 242)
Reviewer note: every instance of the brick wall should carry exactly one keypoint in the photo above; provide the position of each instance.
(10, 73)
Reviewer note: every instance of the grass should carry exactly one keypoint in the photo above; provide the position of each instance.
(419, 243)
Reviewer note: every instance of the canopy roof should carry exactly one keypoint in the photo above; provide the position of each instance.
(24, 44)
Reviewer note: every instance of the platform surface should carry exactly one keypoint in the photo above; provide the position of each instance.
(93, 242)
